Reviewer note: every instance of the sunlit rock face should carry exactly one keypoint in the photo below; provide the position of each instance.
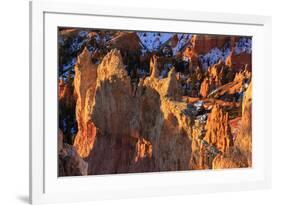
(155, 67)
(217, 130)
(133, 132)
(85, 88)
(204, 88)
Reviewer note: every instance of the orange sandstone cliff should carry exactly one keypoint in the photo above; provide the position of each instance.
(127, 132)
(85, 87)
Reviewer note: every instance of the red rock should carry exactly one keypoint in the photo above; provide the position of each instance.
(126, 41)
(204, 43)
(235, 86)
(238, 61)
(65, 95)
(204, 89)
(217, 139)
(218, 130)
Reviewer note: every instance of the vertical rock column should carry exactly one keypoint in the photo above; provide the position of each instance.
(218, 131)
(85, 87)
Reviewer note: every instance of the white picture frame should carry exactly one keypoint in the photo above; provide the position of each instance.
(46, 187)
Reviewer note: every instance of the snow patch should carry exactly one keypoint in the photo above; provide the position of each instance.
(83, 34)
(243, 45)
(213, 56)
(183, 40)
(153, 40)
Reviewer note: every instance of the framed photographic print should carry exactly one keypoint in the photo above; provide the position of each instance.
(130, 102)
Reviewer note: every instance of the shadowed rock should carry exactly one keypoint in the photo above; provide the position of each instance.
(241, 154)
(70, 163)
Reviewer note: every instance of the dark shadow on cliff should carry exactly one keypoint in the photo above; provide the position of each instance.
(122, 123)
(128, 120)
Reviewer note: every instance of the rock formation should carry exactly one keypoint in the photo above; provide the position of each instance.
(217, 139)
(244, 138)
(65, 95)
(67, 103)
(128, 41)
(240, 155)
(141, 131)
(85, 88)
(235, 86)
(204, 43)
(70, 163)
(154, 67)
(217, 129)
(201, 45)
(65, 92)
(238, 61)
(204, 89)
(147, 101)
